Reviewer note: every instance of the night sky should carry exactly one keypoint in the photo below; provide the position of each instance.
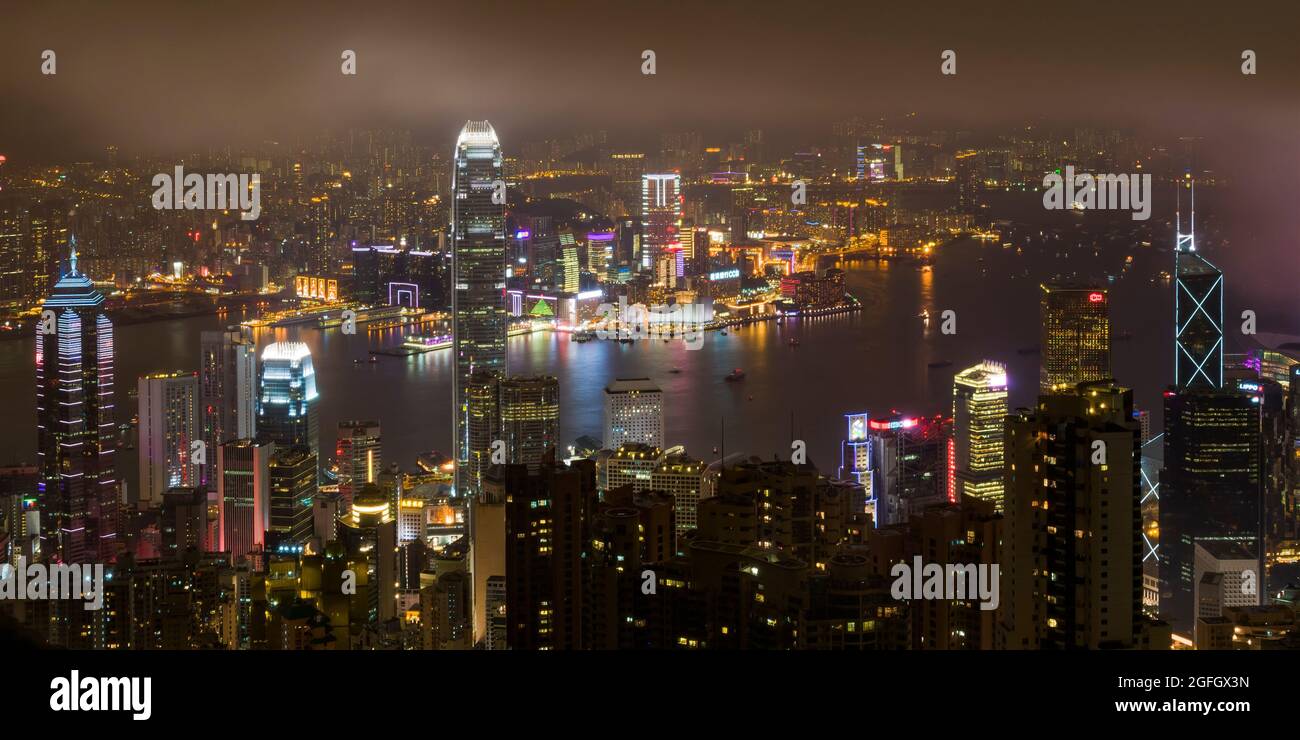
(171, 75)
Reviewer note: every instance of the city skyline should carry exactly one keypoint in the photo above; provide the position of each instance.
(821, 329)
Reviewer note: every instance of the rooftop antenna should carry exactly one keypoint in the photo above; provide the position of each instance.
(1185, 242)
(72, 258)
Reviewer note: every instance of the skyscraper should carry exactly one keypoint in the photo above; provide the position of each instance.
(482, 393)
(1198, 313)
(243, 496)
(634, 412)
(369, 536)
(286, 401)
(530, 418)
(227, 390)
(169, 425)
(77, 488)
(1075, 337)
(15, 265)
(546, 526)
(970, 180)
(292, 480)
(625, 170)
(360, 454)
(1072, 548)
(1210, 487)
(479, 274)
(979, 407)
(661, 215)
(910, 460)
(681, 476)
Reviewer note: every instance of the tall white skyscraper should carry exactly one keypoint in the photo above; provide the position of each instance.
(169, 425)
(478, 282)
(287, 398)
(979, 409)
(634, 412)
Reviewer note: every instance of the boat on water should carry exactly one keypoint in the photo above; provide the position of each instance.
(675, 370)
(581, 336)
(794, 342)
(735, 375)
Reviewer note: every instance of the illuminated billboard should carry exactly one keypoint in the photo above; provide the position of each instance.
(316, 288)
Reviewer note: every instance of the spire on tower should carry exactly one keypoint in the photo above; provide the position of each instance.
(72, 257)
(1185, 242)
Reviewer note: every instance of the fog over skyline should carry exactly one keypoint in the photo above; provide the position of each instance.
(159, 77)
(171, 80)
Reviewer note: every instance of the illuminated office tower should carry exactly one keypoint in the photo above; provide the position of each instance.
(15, 266)
(682, 477)
(1075, 336)
(661, 215)
(243, 496)
(478, 281)
(482, 426)
(1198, 313)
(77, 488)
(970, 180)
(368, 534)
(570, 276)
(530, 418)
(1210, 487)
(979, 407)
(49, 238)
(855, 458)
(885, 162)
(287, 400)
(626, 170)
(292, 478)
(1072, 528)
(634, 412)
(695, 251)
(412, 514)
(169, 425)
(632, 464)
(227, 390)
(360, 455)
(910, 465)
(629, 238)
